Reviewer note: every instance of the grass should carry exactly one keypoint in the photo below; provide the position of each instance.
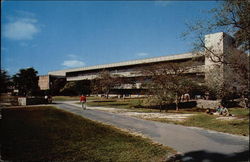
(73, 98)
(132, 104)
(239, 126)
(49, 134)
(66, 98)
(127, 103)
(240, 112)
(116, 103)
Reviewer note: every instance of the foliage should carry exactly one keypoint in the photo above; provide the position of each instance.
(49, 134)
(5, 81)
(230, 17)
(26, 81)
(76, 88)
(105, 82)
(56, 85)
(235, 15)
(167, 82)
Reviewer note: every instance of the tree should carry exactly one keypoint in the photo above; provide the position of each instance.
(76, 88)
(5, 81)
(230, 17)
(26, 81)
(235, 14)
(105, 82)
(167, 82)
(56, 85)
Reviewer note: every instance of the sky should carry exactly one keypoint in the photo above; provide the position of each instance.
(56, 35)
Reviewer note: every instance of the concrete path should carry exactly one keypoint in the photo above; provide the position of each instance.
(186, 140)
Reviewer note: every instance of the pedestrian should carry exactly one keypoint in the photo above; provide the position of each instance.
(218, 110)
(83, 101)
(225, 111)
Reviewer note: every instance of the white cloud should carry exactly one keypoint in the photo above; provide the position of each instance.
(72, 56)
(142, 54)
(21, 29)
(73, 63)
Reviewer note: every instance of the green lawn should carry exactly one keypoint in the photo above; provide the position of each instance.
(66, 98)
(132, 104)
(240, 112)
(116, 103)
(239, 126)
(72, 98)
(49, 134)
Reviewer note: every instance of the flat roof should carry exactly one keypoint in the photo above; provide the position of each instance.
(127, 63)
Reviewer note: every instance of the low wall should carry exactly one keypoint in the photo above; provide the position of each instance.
(22, 101)
(208, 103)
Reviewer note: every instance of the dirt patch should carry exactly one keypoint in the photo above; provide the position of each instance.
(168, 116)
(144, 115)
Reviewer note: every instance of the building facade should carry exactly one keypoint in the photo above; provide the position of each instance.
(218, 42)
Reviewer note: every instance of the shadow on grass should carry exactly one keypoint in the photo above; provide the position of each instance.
(199, 156)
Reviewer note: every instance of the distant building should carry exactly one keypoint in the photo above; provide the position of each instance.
(220, 42)
(45, 81)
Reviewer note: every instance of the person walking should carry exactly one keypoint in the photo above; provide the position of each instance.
(83, 101)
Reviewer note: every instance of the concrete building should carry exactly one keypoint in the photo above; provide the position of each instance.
(125, 69)
(218, 42)
(45, 81)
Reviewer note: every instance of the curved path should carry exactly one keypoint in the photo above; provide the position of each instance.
(186, 140)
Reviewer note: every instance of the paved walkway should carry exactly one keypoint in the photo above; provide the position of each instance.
(183, 139)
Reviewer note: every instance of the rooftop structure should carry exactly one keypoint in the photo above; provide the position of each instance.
(184, 56)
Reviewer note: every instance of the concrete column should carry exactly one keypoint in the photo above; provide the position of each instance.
(216, 52)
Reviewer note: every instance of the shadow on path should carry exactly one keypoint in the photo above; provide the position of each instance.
(204, 156)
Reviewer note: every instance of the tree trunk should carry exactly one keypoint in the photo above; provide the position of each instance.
(176, 102)
(107, 94)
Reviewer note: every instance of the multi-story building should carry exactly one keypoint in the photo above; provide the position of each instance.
(220, 43)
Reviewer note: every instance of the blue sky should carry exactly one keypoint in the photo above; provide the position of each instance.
(55, 35)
